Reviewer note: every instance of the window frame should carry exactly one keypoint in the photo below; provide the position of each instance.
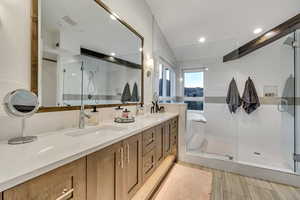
(185, 98)
(172, 77)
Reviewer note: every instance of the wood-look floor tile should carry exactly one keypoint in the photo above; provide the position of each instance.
(258, 183)
(218, 174)
(232, 196)
(234, 184)
(217, 189)
(257, 193)
(285, 192)
(229, 186)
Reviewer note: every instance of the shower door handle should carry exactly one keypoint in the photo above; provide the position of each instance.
(297, 157)
(280, 104)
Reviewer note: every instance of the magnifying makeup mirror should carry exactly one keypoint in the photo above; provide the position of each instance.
(21, 104)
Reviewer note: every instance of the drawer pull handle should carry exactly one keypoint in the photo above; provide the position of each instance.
(122, 158)
(128, 153)
(65, 194)
(150, 140)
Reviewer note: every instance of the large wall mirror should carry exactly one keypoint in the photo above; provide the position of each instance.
(82, 52)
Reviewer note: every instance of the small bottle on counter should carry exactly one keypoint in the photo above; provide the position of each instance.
(94, 117)
(126, 114)
(118, 112)
(140, 110)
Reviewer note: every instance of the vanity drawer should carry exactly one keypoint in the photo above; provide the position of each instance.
(148, 140)
(148, 165)
(67, 182)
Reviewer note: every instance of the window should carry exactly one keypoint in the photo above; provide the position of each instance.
(194, 89)
(166, 83)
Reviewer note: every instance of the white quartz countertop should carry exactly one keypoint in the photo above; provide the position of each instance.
(19, 163)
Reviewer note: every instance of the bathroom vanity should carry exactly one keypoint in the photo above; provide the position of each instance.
(112, 164)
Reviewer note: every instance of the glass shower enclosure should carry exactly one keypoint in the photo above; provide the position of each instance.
(296, 46)
(270, 136)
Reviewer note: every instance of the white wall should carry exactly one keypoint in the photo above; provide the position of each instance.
(49, 75)
(266, 131)
(15, 45)
(15, 58)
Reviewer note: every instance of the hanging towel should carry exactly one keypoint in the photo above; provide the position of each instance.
(135, 93)
(126, 95)
(288, 95)
(250, 98)
(233, 98)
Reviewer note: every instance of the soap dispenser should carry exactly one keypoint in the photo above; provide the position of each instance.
(94, 117)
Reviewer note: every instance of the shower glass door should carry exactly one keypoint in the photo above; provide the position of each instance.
(297, 101)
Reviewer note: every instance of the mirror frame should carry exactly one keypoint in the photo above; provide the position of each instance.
(35, 60)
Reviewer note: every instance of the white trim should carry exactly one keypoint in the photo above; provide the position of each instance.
(172, 77)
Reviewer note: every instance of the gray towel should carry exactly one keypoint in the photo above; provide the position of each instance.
(233, 98)
(135, 93)
(287, 101)
(250, 98)
(126, 95)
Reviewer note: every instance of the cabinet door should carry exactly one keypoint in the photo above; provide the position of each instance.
(159, 146)
(67, 182)
(167, 139)
(104, 174)
(133, 165)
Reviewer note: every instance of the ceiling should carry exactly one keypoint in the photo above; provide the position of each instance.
(94, 30)
(225, 24)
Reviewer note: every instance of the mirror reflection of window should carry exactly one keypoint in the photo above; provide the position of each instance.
(167, 79)
(161, 83)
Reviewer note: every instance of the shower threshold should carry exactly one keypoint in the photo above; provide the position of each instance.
(212, 155)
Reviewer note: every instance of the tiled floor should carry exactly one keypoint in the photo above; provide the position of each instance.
(228, 186)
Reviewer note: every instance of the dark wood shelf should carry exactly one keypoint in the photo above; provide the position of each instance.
(270, 36)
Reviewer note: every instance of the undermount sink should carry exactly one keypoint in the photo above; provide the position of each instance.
(95, 130)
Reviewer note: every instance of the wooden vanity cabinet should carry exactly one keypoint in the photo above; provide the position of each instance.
(148, 159)
(167, 139)
(159, 145)
(132, 165)
(67, 182)
(115, 173)
(105, 174)
(174, 136)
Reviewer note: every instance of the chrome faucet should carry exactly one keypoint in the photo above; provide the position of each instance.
(82, 116)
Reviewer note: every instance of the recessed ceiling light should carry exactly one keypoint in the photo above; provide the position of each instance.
(141, 49)
(112, 54)
(257, 31)
(202, 39)
(113, 17)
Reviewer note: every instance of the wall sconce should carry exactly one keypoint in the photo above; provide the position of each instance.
(149, 66)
